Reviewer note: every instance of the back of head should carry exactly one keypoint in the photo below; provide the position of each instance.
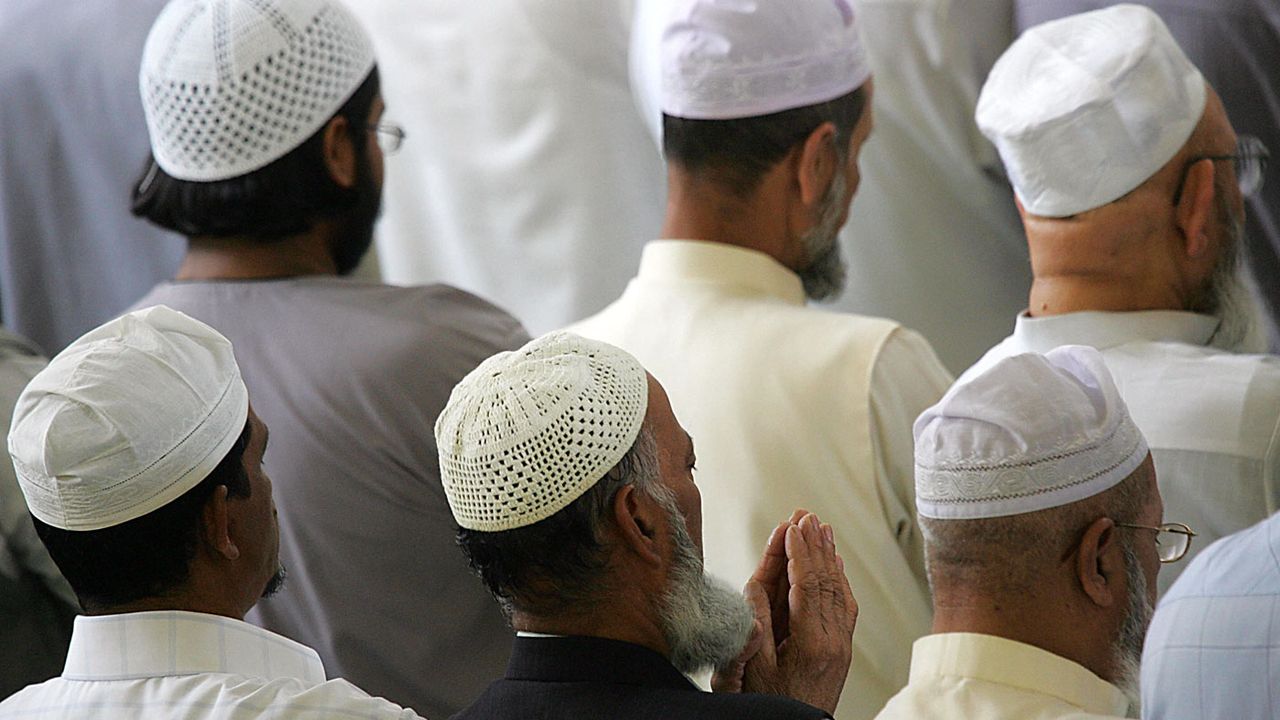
(743, 83)
(1086, 108)
(533, 445)
(236, 94)
(1015, 461)
(118, 443)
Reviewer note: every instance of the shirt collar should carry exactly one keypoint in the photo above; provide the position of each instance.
(1008, 662)
(715, 263)
(1108, 329)
(173, 643)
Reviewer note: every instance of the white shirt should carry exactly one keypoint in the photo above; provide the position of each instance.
(193, 666)
(933, 235)
(791, 407)
(970, 676)
(1212, 647)
(1212, 418)
(527, 176)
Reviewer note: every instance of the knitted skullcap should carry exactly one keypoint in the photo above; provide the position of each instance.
(1030, 433)
(1086, 108)
(529, 431)
(126, 419)
(229, 86)
(728, 59)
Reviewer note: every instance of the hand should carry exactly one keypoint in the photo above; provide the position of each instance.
(805, 615)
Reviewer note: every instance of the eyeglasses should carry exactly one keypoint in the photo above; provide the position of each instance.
(1172, 539)
(1250, 164)
(390, 137)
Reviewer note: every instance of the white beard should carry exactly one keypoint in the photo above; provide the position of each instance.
(706, 622)
(1133, 632)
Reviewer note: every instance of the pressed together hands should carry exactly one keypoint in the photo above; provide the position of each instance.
(805, 611)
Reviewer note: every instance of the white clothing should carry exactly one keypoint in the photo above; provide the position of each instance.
(527, 176)
(1212, 418)
(791, 407)
(1212, 647)
(933, 237)
(984, 677)
(191, 665)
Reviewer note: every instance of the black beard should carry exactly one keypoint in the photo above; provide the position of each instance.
(275, 583)
(355, 231)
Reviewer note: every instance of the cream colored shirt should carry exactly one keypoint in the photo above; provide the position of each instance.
(791, 407)
(968, 676)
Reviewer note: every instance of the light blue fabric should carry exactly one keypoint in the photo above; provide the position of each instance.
(1213, 650)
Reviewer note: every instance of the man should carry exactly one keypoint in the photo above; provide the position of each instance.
(35, 601)
(349, 373)
(1213, 641)
(71, 255)
(1233, 42)
(1129, 178)
(1039, 505)
(530, 180)
(141, 462)
(794, 406)
(572, 483)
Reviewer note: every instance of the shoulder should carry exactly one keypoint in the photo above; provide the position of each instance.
(1237, 565)
(753, 705)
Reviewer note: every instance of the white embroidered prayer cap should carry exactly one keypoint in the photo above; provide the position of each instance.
(126, 419)
(728, 59)
(1031, 432)
(1086, 108)
(229, 86)
(528, 432)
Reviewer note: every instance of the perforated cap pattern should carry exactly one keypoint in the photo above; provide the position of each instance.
(229, 86)
(528, 432)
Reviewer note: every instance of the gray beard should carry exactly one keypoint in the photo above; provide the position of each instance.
(1133, 632)
(706, 622)
(1228, 299)
(824, 277)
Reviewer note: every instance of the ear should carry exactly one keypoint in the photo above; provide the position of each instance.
(1100, 563)
(817, 162)
(217, 525)
(1195, 208)
(638, 519)
(340, 152)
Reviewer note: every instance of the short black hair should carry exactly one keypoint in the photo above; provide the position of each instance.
(284, 198)
(148, 556)
(558, 564)
(737, 153)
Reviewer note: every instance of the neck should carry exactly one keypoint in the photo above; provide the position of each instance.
(623, 621)
(699, 208)
(181, 601)
(1102, 261)
(1058, 630)
(241, 258)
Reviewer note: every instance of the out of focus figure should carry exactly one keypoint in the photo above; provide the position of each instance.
(530, 180)
(71, 255)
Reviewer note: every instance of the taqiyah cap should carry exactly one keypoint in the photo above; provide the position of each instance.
(126, 419)
(1030, 433)
(528, 432)
(230, 86)
(1086, 108)
(728, 59)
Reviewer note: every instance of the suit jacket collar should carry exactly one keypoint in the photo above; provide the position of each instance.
(591, 659)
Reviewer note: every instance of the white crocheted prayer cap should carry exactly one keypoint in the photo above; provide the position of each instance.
(530, 431)
(727, 59)
(1031, 432)
(229, 86)
(1086, 108)
(126, 419)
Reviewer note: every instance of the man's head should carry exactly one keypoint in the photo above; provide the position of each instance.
(260, 117)
(571, 481)
(1118, 152)
(141, 464)
(769, 103)
(1029, 477)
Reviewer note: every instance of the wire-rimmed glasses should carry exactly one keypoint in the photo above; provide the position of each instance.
(1173, 540)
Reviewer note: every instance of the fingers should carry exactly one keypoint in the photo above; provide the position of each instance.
(819, 598)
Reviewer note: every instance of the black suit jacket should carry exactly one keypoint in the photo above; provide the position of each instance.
(582, 677)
